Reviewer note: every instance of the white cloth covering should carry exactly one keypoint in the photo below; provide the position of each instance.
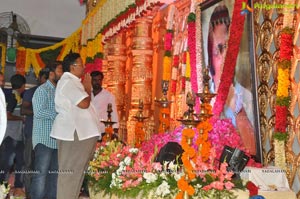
(267, 178)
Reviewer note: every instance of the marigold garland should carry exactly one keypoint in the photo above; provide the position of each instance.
(21, 61)
(188, 66)
(31, 57)
(283, 78)
(174, 73)
(3, 56)
(187, 157)
(283, 82)
(204, 128)
(281, 115)
(204, 144)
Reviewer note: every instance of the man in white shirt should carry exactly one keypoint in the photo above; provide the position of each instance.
(76, 126)
(100, 99)
(3, 117)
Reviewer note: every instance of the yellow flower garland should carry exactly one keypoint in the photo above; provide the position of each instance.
(283, 82)
(3, 56)
(188, 66)
(167, 68)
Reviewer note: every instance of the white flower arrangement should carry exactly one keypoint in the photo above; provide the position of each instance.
(150, 177)
(163, 189)
(4, 190)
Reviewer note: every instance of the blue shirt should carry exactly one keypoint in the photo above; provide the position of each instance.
(43, 115)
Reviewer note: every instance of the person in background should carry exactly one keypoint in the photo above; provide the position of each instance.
(3, 118)
(12, 148)
(44, 183)
(26, 109)
(76, 127)
(238, 106)
(101, 98)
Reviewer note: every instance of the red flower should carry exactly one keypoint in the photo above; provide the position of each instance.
(183, 83)
(236, 31)
(184, 57)
(253, 189)
(280, 118)
(173, 86)
(175, 60)
(286, 47)
(98, 64)
(168, 41)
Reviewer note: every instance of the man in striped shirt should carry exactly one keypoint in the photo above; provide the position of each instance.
(45, 148)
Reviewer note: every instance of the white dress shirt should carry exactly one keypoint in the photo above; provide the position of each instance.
(100, 102)
(3, 116)
(69, 93)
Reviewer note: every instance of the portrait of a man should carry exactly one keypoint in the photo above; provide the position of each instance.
(239, 106)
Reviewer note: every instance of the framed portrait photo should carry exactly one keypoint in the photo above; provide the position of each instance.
(241, 104)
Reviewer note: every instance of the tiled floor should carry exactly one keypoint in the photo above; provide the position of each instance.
(11, 182)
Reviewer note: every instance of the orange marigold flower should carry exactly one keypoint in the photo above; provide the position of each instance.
(191, 190)
(179, 195)
(182, 184)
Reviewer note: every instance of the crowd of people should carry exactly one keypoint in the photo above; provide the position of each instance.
(48, 133)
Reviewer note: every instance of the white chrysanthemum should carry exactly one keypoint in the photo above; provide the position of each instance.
(127, 160)
(150, 177)
(165, 165)
(2, 191)
(178, 175)
(133, 150)
(172, 166)
(122, 164)
(163, 189)
(163, 175)
(116, 181)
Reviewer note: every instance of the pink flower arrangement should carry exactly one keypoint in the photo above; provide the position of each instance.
(121, 169)
(157, 141)
(222, 179)
(224, 133)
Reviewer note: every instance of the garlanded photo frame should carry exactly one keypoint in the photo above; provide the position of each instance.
(228, 52)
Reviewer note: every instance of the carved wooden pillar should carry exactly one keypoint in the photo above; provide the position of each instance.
(141, 75)
(115, 75)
